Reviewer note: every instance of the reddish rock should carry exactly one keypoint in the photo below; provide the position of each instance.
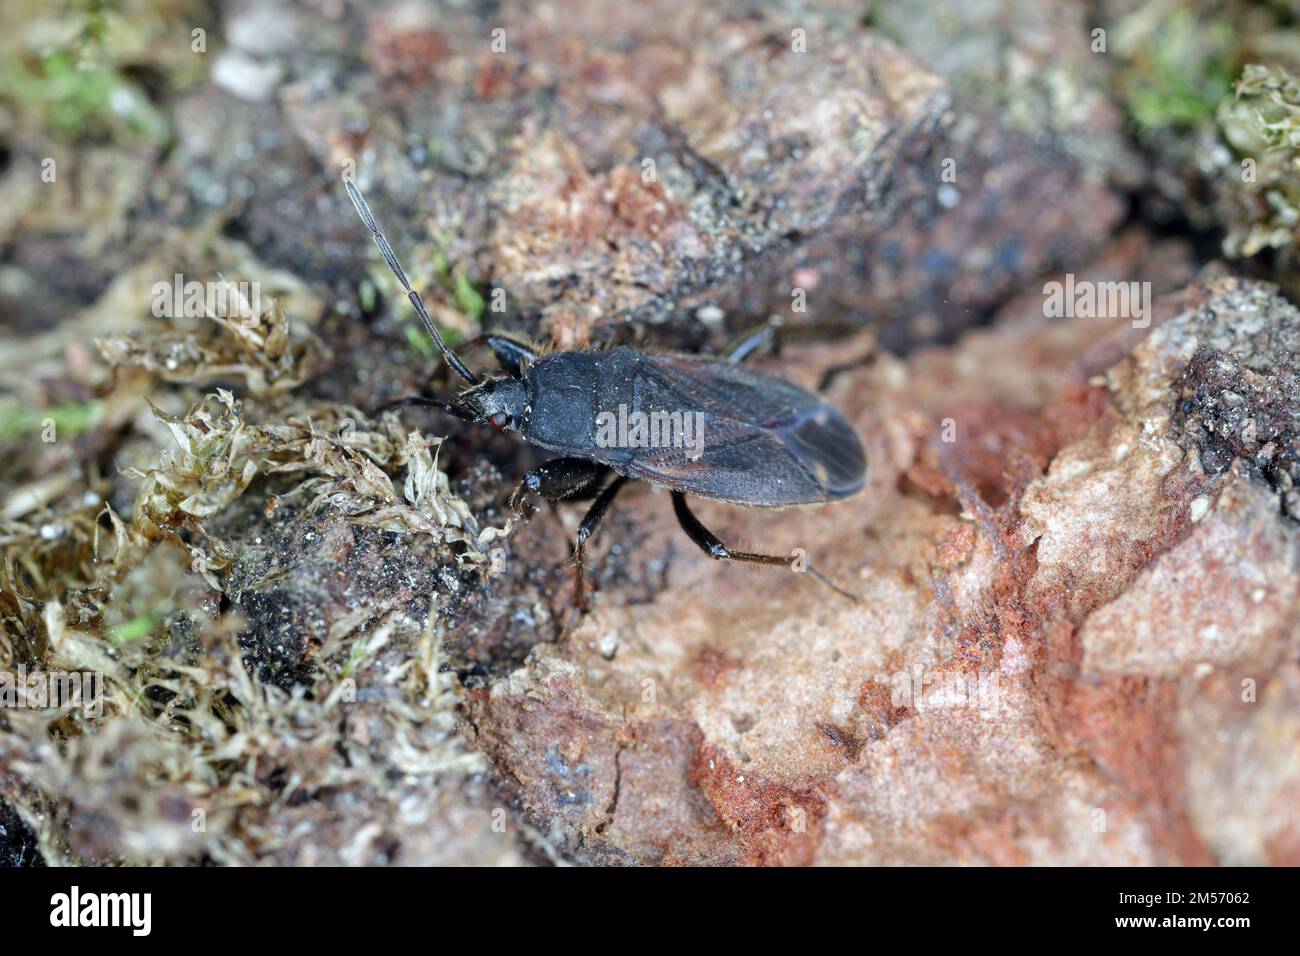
(1042, 620)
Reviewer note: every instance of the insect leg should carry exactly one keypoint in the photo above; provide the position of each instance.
(558, 479)
(590, 522)
(712, 545)
(751, 343)
(835, 370)
(512, 353)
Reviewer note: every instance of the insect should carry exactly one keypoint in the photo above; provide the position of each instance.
(761, 441)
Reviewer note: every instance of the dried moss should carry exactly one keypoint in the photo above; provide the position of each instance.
(1172, 68)
(1262, 124)
(193, 757)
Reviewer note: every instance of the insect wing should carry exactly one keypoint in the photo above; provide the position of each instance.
(764, 441)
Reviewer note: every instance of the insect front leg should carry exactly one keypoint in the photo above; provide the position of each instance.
(712, 545)
(558, 480)
(590, 522)
(513, 354)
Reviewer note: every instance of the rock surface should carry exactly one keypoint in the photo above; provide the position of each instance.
(324, 636)
(1071, 625)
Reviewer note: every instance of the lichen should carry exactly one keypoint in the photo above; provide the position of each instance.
(1262, 125)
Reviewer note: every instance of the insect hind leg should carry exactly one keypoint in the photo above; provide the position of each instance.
(712, 545)
(758, 340)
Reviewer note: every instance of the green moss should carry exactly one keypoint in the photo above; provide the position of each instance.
(420, 340)
(468, 298)
(368, 296)
(133, 630)
(1185, 75)
(82, 100)
(68, 419)
(442, 268)
(457, 284)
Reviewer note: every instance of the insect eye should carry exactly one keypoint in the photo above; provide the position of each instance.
(499, 420)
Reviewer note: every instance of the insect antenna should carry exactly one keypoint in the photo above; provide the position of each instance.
(451, 408)
(386, 251)
(833, 586)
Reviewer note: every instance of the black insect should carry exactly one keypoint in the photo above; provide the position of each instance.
(755, 439)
